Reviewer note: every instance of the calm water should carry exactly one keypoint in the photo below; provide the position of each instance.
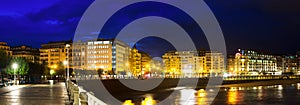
(259, 95)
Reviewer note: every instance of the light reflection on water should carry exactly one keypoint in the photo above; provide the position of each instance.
(201, 97)
(275, 94)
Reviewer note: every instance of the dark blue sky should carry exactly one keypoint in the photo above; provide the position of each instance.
(269, 25)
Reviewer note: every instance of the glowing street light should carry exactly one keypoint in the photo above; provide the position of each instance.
(52, 72)
(65, 63)
(15, 66)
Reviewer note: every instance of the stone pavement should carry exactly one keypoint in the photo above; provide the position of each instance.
(36, 94)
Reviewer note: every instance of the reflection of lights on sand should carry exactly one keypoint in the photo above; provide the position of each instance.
(280, 87)
(128, 102)
(15, 93)
(148, 101)
(178, 88)
(232, 97)
(187, 96)
(279, 92)
(260, 93)
(201, 93)
(201, 97)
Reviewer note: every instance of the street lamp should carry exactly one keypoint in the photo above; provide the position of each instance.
(67, 46)
(66, 68)
(15, 66)
(51, 73)
(67, 64)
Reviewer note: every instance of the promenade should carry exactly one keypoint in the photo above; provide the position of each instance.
(35, 94)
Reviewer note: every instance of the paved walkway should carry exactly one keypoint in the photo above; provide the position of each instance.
(41, 94)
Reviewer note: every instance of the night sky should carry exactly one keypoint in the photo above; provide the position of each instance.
(268, 25)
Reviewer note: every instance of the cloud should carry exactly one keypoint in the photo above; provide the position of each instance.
(54, 22)
(262, 24)
(62, 11)
(51, 23)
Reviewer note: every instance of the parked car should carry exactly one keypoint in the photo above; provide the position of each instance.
(2, 84)
(8, 82)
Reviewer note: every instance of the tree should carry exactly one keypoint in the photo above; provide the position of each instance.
(4, 59)
(37, 69)
(46, 69)
(4, 62)
(22, 69)
(61, 70)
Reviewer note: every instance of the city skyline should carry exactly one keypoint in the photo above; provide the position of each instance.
(142, 48)
(150, 52)
(106, 55)
(250, 25)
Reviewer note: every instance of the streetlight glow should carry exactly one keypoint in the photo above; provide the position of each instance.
(15, 66)
(52, 72)
(65, 62)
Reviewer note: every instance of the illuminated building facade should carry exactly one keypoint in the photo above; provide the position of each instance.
(200, 65)
(215, 63)
(99, 55)
(249, 62)
(121, 52)
(145, 62)
(172, 62)
(109, 55)
(190, 63)
(26, 52)
(135, 62)
(291, 64)
(140, 62)
(231, 64)
(5, 48)
(156, 67)
(280, 63)
(187, 62)
(79, 52)
(55, 53)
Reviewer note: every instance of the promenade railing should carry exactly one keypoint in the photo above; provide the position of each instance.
(79, 96)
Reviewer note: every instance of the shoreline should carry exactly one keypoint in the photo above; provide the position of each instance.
(115, 86)
(119, 90)
(263, 83)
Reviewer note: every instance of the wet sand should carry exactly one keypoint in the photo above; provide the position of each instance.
(264, 83)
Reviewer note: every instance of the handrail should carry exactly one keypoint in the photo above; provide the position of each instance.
(79, 96)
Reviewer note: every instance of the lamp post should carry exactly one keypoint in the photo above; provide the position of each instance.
(14, 66)
(67, 65)
(67, 61)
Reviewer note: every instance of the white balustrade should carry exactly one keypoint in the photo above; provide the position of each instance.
(84, 97)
